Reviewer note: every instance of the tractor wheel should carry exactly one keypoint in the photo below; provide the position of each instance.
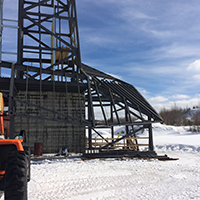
(15, 182)
(28, 157)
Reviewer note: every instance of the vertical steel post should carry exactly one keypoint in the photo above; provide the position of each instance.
(53, 41)
(90, 137)
(77, 37)
(111, 120)
(20, 38)
(126, 117)
(1, 29)
(150, 136)
(11, 103)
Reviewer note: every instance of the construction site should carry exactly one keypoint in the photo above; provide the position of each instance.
(59, 100)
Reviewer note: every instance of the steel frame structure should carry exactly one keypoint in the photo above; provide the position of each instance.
(49, 59)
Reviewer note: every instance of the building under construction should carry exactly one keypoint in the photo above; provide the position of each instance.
(58, 100)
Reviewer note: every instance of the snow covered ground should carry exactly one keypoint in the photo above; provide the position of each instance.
(117, 179)
(75, 179)
(130, 179)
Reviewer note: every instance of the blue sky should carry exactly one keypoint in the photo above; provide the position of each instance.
(153, 45)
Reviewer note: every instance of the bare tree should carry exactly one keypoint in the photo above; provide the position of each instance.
(196, 120)
(174, 116)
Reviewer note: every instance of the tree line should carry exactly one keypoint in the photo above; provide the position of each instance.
(182, 117)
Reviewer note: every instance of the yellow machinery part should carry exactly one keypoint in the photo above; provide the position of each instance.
(1, 112)
(1, 103)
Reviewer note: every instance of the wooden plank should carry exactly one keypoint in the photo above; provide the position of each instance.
(111, 139)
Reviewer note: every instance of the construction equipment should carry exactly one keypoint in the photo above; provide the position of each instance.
(14, 163)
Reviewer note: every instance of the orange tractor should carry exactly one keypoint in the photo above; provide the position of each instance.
(14, 162)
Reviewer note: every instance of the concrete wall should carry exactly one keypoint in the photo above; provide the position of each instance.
(54, 135)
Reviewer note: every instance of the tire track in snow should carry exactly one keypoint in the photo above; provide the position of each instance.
(113, 179)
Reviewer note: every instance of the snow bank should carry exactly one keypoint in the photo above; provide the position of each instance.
(175, 138)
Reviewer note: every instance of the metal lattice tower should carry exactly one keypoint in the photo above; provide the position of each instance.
(48, 36)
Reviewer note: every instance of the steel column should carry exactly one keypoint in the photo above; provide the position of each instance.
(151, 148)
(1, 29)
(11, 101)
